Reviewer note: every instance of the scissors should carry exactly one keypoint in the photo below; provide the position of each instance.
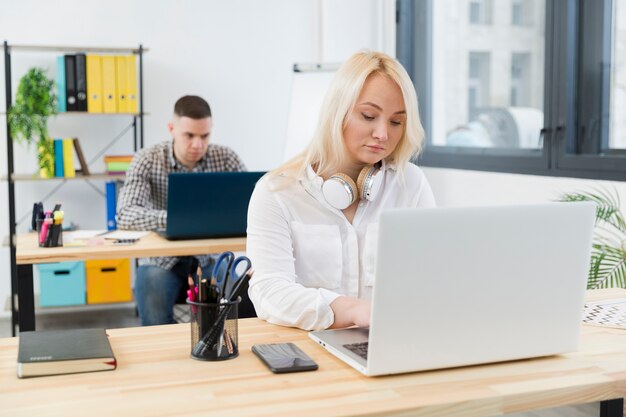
(221, 270)
(225, 272)
(235, 277)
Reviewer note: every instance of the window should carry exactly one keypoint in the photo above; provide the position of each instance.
(480, 12)
(479, 79)
(542, 92)
(617, 134)
(521, 84)
(521, 12)
(517, 13)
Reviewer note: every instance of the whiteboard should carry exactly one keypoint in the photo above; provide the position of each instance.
(307, 94)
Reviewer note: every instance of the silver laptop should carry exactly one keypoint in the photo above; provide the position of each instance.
(464, 286)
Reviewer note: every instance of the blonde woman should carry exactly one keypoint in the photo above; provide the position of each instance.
(312, 222)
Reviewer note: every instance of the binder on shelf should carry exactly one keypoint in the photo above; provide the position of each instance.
(122, 84)
(109, 84)
(81, 82)
(61, 103)
(94, 84)
(111, 198)
(70, 83)
(131, 83)
(58, 158)
(68, 158)
(84, 168)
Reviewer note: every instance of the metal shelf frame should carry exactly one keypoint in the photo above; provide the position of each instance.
(137, 126)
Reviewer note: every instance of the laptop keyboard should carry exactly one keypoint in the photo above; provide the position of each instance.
(358, 348)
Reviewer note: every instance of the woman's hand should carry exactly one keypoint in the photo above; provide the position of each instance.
(350, 312)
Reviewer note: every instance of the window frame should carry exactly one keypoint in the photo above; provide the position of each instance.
(570, 35)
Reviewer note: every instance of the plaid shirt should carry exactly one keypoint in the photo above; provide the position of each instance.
(142, 201)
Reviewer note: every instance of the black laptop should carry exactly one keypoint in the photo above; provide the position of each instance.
(209, 204)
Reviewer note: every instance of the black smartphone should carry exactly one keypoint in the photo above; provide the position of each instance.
(284, 357)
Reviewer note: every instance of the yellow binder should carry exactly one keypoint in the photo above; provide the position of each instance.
(68, 158)
(109, 84)
(131, 83)
(94, 84)
(122, 85)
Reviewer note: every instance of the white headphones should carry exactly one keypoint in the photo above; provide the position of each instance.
(340, 191)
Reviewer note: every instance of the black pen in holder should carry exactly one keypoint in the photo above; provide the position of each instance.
(214, 330)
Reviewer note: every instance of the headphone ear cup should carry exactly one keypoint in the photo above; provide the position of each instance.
(369, 182)
(340, 191)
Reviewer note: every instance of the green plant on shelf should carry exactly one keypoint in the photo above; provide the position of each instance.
(35, 102)
(608, 252)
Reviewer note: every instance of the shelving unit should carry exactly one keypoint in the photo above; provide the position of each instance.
(11, 177)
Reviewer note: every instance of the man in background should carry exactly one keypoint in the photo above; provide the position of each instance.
(142, 204)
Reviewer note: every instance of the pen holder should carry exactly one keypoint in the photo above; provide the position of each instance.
(49, 235)
(214, 332)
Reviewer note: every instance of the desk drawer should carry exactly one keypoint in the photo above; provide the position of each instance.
(61, 284)
(108, 281)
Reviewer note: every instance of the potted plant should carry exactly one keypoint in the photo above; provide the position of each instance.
(608, 253)
(35, 102)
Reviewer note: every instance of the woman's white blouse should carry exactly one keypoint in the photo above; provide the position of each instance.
(305, 253)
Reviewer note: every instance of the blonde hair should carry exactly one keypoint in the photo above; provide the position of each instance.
(326, 149)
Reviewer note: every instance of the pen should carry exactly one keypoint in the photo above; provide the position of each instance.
(212, 334)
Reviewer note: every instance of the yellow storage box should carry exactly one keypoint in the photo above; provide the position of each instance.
(108, 281)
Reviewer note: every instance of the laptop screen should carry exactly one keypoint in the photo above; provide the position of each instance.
(209, 204)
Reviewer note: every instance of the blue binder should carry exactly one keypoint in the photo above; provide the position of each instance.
(58, 158)
(111, 197)
(61, 104)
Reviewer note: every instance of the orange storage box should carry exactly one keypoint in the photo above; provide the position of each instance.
(108, 281)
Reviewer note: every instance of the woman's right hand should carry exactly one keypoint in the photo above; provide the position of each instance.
(350, 312)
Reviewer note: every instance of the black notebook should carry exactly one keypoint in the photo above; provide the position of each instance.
(54, 352)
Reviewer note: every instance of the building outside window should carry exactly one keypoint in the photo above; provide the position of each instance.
(539, 90)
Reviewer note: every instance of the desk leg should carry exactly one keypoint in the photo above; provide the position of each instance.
(612, 408)
(25, 298)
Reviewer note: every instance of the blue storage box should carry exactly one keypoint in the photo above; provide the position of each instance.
(62, 284)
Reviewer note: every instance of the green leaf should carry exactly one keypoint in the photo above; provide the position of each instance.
(35, 101)
(608, 254)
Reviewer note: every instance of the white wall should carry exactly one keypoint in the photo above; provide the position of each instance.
(238, 54)
(470, 188)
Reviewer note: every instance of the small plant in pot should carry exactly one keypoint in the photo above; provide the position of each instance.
(608, 252)
(35, 102)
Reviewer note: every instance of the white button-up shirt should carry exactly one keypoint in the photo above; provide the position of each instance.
(306, 253)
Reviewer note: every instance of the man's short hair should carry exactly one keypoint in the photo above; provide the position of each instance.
(193, 107)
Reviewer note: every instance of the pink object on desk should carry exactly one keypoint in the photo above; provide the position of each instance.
(44, 230)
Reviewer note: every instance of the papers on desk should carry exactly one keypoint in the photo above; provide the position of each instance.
(126, 234)
(83, 234)
(82, 237)
(609, 313)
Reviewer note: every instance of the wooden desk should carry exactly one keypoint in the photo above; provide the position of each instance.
(156, 377)
(28, 253)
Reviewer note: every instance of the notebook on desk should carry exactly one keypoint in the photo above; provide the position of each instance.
(209, 204)
(465, 286)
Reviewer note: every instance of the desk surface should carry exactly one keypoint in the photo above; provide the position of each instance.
(28, 251)
(156, 377)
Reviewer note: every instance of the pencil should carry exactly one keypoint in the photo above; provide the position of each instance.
(190, 282)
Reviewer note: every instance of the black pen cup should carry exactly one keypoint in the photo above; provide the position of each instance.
(214, 330)
(49, 235)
